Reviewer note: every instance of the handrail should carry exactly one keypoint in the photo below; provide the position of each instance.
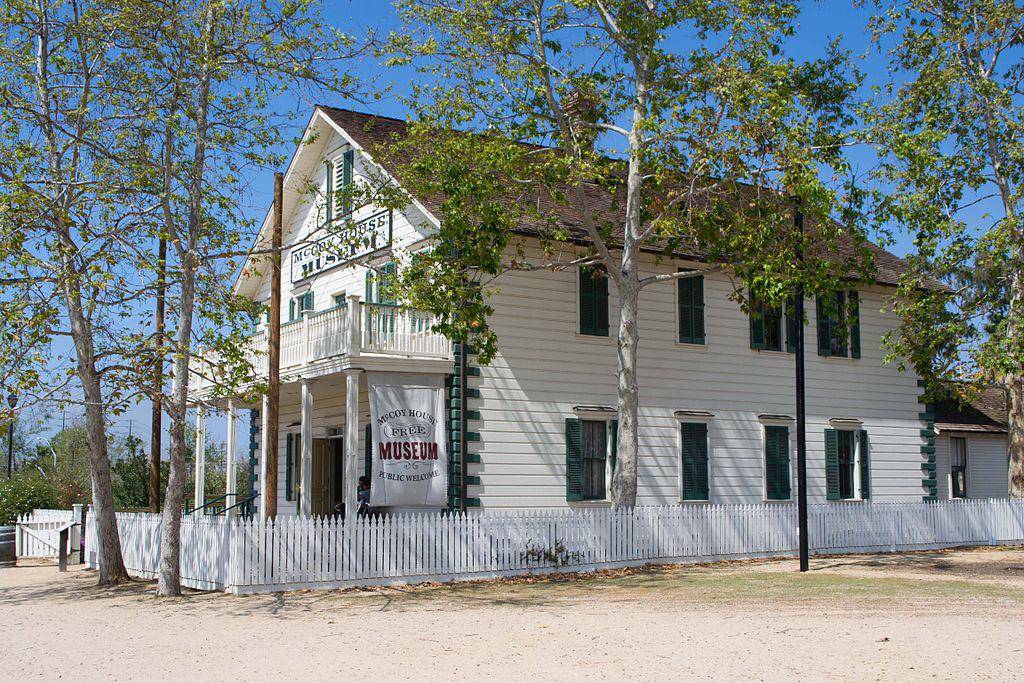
(244, 501)
(208, 503)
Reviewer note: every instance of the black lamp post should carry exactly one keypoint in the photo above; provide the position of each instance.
(12, 401)
(801, 422)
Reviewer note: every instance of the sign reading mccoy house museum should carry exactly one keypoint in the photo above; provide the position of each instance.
(407, 428)
(342, 245)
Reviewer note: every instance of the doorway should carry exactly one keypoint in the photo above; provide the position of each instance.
(328, 464)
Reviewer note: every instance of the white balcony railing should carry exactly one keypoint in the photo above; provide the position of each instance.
(354, 328)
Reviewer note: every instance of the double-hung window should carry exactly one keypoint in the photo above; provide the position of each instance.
(590, 448)
(300, 305)
(765, 327)
(957, 467)
(847, 464)
(839, 325)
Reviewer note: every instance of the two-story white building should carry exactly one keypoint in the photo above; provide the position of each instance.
(716, 387)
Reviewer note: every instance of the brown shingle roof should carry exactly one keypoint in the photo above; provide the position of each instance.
(986, 413)
(369, 131)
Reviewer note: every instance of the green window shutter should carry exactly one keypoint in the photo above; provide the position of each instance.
(757, 327)
(291, 310)
(776, 462)
(792, 325)
(368, 297)
(593, 303)
(691, 310)
(307, 301)
(329, 204)
(601, 306)
(289, 456)
(347, 161)
(854, 324)
(840, 305)
(615, 444)
(865, 466)
(695, 460)
(573, 459)
(832, 464)
(368, 450)
(824, 330)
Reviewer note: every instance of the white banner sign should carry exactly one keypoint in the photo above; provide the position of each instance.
(407, 423)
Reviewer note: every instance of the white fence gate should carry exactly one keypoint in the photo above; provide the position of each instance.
(38, 533)
(247, 556)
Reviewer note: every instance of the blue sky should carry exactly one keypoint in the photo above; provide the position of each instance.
(820, 22)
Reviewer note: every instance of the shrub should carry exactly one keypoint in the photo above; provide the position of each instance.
(24, 493)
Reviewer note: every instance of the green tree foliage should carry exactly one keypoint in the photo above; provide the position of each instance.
(949, 129)
(610, 127)
(25, 492)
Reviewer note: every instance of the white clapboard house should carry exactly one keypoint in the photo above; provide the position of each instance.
(716, 388)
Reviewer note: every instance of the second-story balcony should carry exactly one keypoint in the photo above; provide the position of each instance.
(323, 342)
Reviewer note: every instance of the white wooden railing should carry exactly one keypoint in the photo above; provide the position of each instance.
(246, 555)
(352, 329)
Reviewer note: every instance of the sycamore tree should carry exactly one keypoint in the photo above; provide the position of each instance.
(950, 134)
(609, 128)
(69, 227)
(222, 79)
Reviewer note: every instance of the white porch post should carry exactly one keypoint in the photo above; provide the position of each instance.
(264, 449)
(306, 473)
(200, 492)
(355, 333)
(230, 464)
(351, 439)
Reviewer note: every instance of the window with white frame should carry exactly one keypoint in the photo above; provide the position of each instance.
(590, 450)
(957, 467)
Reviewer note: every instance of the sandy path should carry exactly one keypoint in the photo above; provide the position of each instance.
(853, 622)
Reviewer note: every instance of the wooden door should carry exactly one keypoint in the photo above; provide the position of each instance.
(322, 461)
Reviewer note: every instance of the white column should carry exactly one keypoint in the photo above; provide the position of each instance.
(306, 472)
(264, 449)
(351, 439)
(230, 465)
(200, 493)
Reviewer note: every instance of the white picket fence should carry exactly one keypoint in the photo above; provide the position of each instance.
(247, 556)
(38, 533)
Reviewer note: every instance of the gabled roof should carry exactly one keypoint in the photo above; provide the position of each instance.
(370, 131)
(986, 413)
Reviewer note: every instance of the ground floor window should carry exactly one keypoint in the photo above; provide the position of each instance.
(590, 449)
(958, 467)
(847, 464)
(776, 462)
(694, 460)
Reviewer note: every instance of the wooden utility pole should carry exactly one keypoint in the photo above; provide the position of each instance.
(274, 350)
(158, 380)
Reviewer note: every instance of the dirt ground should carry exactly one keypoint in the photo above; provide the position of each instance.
(933, 615)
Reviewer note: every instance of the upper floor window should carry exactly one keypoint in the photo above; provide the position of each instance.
(298, 305)
(594, 302)
(772, 327)
(690, 295)
(839, 325)
(339, 186)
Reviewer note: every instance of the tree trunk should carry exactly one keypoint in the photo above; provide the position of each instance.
(624, 479)
(111, 563)
(1015, 438)
(169, 583)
